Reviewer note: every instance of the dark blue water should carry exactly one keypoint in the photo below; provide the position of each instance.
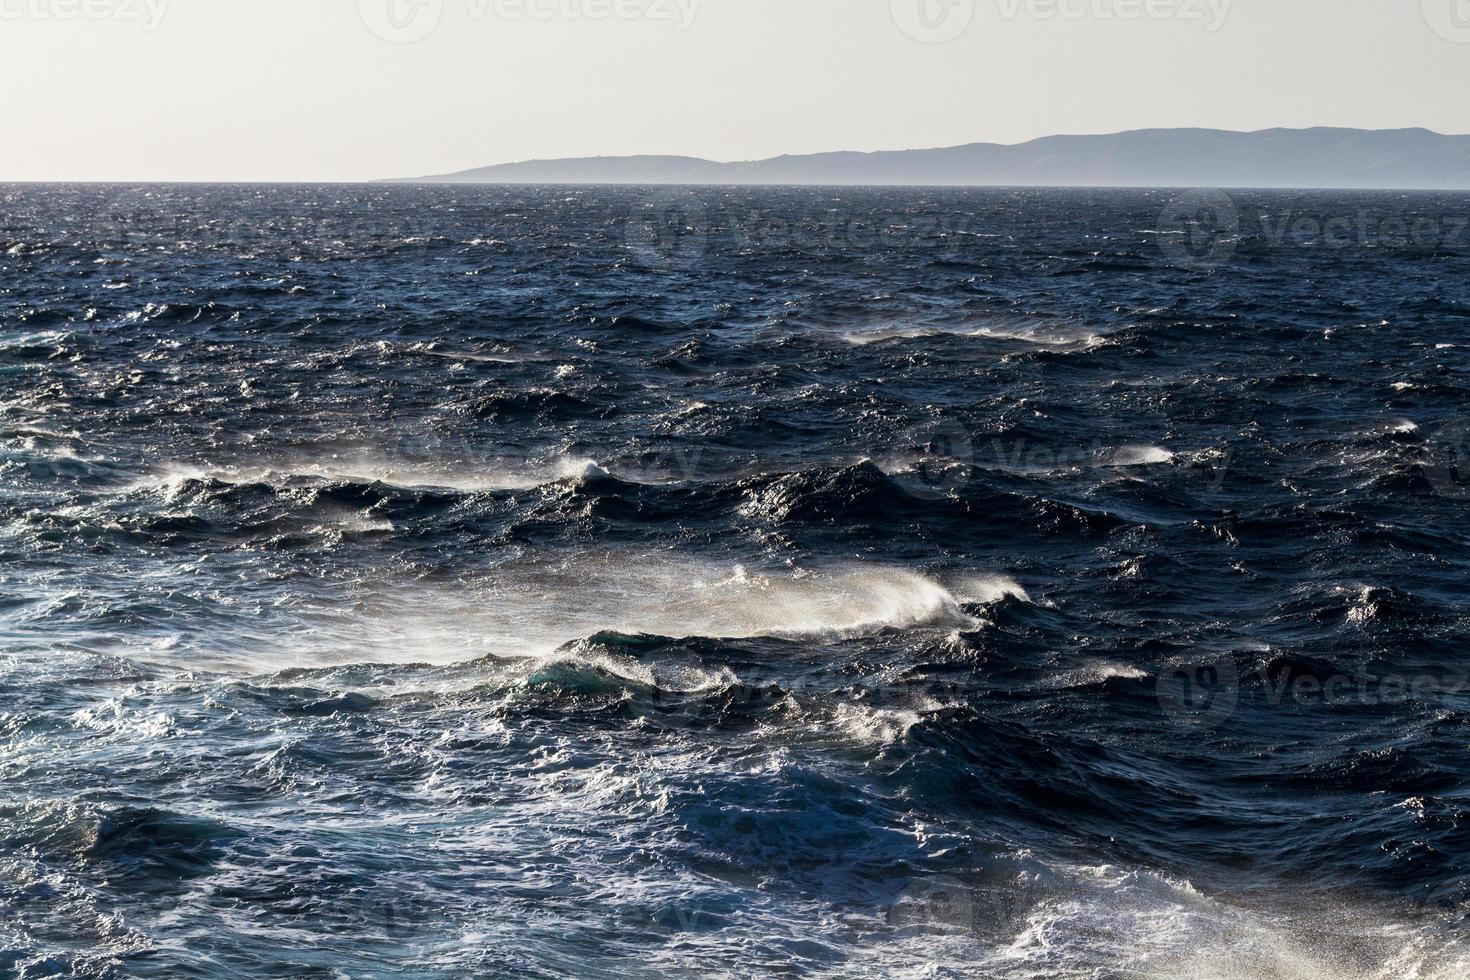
(480, 582)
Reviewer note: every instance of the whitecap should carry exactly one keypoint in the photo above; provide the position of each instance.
(1074, 921)
(537, 606)
(1139, 456)
(875, 726)
(1041, 334)
(985, 589)
(1146, 924)
(1100, 673)
(366, 468)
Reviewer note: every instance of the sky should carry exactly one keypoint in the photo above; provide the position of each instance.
(364, 89)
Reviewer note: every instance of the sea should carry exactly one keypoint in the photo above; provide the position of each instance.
(405, 581)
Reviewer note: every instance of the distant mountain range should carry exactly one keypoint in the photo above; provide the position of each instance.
(1322, 157)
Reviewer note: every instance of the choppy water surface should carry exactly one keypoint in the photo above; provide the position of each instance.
(566, 582)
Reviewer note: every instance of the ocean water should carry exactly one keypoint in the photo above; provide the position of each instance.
(543, 582)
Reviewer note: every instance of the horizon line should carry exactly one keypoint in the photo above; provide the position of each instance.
(439, 177)
(439, 183)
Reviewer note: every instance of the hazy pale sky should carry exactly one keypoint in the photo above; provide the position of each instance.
(353, 89)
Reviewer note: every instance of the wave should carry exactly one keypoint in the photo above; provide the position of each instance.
(1139, 456)
(1106, 920)
(1058, 335)
(829, 495)
(594, 665)
(701, 600)
(131, 842)
(436, 349)
(986, 589)
(366, 469)
(537, 607)
(1099, 674)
